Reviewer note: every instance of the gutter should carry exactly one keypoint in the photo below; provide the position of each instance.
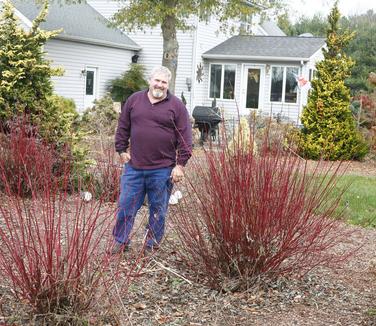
(97, 42)
(248, 57)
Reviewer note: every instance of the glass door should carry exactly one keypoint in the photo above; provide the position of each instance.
(90, 86)
(253, 82)
(253, 88)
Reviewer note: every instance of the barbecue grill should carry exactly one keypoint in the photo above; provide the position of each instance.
(207, 119)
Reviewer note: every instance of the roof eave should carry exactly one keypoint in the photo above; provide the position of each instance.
(97, 42)
(28, 23)
(248, 57)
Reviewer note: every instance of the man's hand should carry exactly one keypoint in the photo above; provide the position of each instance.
(177, 174)
(125, 157)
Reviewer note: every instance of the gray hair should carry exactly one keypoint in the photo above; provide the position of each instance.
(160, 70)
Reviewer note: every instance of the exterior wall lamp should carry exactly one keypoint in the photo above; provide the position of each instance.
(135, 58)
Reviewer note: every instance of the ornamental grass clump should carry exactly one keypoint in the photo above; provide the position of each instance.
(255, 213)
(54, 243)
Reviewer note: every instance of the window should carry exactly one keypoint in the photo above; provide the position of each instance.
(277, 82)
(89, 82)
(291, 86)
(245, 24)
(222, 81)
(284, 84)
(312, 74)
(215, 81)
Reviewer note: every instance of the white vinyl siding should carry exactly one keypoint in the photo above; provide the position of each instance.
(106, 8)
(75, 57)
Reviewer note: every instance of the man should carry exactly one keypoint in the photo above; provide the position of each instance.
(154, 141)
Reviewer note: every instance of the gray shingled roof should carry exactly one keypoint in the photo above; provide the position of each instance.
(80, 22)
(272, 29)
(282, 48)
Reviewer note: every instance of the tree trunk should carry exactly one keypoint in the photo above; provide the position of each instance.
(170, 48)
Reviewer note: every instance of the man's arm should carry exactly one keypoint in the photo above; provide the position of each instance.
(184, 136)
(184, 143)
(123, 132)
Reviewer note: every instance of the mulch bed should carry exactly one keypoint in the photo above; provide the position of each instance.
(325, 296)
(165, 294)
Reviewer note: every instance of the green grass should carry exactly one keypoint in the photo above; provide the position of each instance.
(359, 200)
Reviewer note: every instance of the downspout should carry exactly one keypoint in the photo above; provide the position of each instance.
(194, 64)
(300, 95)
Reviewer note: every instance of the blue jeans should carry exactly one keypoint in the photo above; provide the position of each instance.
(135, 184)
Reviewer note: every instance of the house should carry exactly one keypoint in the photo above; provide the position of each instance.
(192, 44)
(90, 52)
(266, 72)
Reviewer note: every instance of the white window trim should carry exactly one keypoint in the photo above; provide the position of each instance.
(223, 64)
(283, 84)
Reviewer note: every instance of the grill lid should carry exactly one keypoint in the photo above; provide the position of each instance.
(206, 114)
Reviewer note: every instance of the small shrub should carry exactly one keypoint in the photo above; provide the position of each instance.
(363, 108)
(275, 129)
(19, 164)
(256, 214)
(101, 119)
(131, 81)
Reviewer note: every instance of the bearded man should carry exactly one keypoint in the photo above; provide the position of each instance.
(154, 141)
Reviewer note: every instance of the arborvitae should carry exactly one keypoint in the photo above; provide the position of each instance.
(329, 129)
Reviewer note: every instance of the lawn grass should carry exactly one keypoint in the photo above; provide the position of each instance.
(359, 200)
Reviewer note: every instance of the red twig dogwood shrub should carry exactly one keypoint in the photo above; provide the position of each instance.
(21, 161)
(54, 243)
(106, 175)
(251, 212)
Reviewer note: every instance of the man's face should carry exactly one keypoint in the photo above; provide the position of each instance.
(158, 86)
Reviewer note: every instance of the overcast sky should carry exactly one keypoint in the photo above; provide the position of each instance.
(346, 7)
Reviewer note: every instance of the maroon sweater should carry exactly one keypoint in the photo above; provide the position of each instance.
(160, 134)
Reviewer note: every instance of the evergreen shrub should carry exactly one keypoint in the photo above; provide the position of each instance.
(26, 90)
(329, 129)
(101, 119)
(131, 81)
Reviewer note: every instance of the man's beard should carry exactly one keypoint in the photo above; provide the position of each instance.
(157, 93)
